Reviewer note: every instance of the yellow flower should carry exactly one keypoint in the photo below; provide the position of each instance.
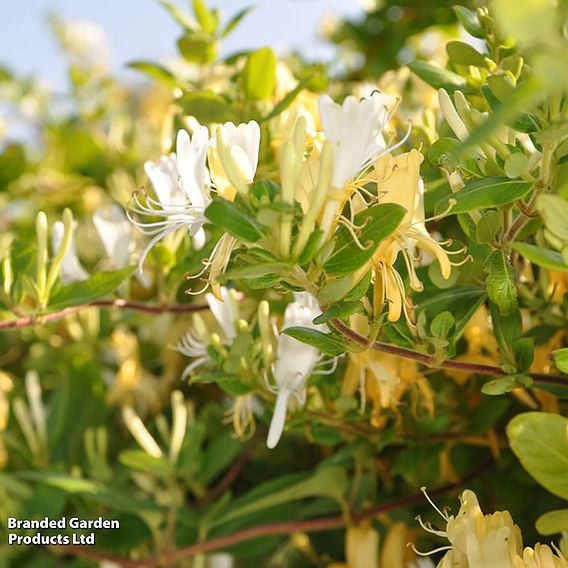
(478, 540)
(383, 378)
(398, 181)
(539, 557)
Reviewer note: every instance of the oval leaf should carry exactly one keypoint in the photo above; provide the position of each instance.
(540, 441)
(485, 193)
(553, 522)
(377, 223)
(234, 220)
(541, 256)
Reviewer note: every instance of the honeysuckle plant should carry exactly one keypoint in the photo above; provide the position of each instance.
(252, 307)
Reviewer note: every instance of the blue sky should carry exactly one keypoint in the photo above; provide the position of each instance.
(142, 29)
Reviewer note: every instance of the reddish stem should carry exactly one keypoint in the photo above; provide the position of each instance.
(431, 361)
(123, 304)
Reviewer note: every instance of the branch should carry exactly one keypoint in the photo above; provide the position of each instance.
(123, 304)
(272, 529)
(430, 360)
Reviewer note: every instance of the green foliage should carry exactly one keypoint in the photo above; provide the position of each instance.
(432, 330)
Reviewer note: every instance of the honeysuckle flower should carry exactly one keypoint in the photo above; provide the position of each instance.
(179, 181)
(195, 342)
(384, 378)
(241, 415)
(243, 143)
(295, 362)
(114, 231)
(131, 384)
(354, 130)
(398, 181)
(541, 556)
(478, 540)
(70, 269)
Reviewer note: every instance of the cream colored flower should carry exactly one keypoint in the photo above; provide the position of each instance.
(539, 557)
(71, 269)
(243, 143)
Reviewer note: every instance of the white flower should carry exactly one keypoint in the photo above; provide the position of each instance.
(478, 540)
(114, 231)
(179, 181)
(243, 140)
(70, 270)
(295, 362)
(354, 130)
(193, 344)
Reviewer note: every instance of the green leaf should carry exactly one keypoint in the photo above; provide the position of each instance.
(259, 75)
(340, 310)
(487, 227)
(516, 165)
(500, 282)
(234, 220)
(442, 324)
(207, 106)
(438, 77)
(197, 48)
(64, 482)
(553, 522)
(155, 71)
(235, 21)
(141, 461)
(462, 302)
(541, 256)
(327, 344)
(325, 482)
(507, 330)
(97, 286)
(499, 91)
(207, 19)
(469, 20)
(561, 359)
(377, 222)
(503, 385)
(257, 270)
(540, 441)
(180, 16)
(439, 153)
(312, 246)
(554, 211)
(461, 53)
(484, 194)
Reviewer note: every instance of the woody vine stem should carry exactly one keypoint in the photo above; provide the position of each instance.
(346, 332)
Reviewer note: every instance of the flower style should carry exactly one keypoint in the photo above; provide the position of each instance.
(295, 362)
(179, 181)
(114, 231)
(398, 181)
(195, 343)
(243, 143)
(70, 269)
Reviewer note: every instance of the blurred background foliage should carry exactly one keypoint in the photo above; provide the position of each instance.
(74, 392)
